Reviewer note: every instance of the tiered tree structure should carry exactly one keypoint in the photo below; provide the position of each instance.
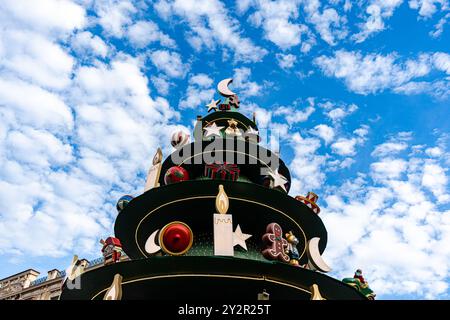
(215, 221)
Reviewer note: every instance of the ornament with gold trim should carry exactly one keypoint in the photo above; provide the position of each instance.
(123, 202)
(176, 238)
(175, 174)
(310, 201)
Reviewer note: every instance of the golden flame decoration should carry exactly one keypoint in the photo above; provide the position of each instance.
(315, 293)
(222, 202)
(114, 292)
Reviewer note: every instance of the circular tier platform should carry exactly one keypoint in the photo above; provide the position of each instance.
(253, 160)
(207, 279)
(252, 207)
(221, 119)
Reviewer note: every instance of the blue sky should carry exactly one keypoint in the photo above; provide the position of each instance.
(358, 92)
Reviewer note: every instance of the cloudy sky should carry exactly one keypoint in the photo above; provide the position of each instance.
(358, 92)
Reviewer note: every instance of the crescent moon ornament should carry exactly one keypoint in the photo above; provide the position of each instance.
(223, 89)
(150, 245)
(315, 259)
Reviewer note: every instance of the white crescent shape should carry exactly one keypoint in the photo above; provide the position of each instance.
(314, 255)
(223, 87)
(150, 244)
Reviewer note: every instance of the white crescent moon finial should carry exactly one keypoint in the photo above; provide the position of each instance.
(223, 89)
(314, 255)
(150, 245)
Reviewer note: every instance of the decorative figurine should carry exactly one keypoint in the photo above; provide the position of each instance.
(222, 171)
(123, 202)
(232, 129)
(154, 171)
(276, 244)
(234, 101)
(175, 174)
(179, 139)
(176, 238)
(310, 201)
(111, 250)
(359, 283)
(292, 250)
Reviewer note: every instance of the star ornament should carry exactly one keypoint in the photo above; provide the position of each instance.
(239, 238)
(278, 180)
(212, 130)
(213, 105)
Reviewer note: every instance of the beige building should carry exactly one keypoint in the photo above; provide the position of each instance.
(27, 286)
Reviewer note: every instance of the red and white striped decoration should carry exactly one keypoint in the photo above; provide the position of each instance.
(310, 201)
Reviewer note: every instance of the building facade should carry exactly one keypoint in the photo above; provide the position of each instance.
(27, 285)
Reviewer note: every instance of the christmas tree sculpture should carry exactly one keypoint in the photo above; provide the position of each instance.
(215, 221)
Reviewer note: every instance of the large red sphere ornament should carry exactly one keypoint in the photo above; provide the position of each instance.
(175, 174)
(176, 238)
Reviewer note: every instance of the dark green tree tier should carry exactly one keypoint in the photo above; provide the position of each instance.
(206, 279)
(253, 207)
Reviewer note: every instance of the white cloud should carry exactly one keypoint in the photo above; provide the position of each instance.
(87, 43)
(296, 113)
(114, 16)
(34, 105)
(377, 11)
(427, 7)
(31, 56)
(434, 152)
(286, 61)
(276, 17)
(435, 179)
(439, 26)
(45, 16)
(341, 112)
(329, 24)
(169, 62)
(162, 84)
(199, 92)
(375, 72)
(142, 33)
(307, 165)
(394, 226)
(325, 132)
(388, 148)
(388, 169)
(344, 146)
(210, 24)
(347, 146)
(241, 81)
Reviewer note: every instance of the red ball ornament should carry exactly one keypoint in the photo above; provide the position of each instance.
(176, 238)
(176, 174)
